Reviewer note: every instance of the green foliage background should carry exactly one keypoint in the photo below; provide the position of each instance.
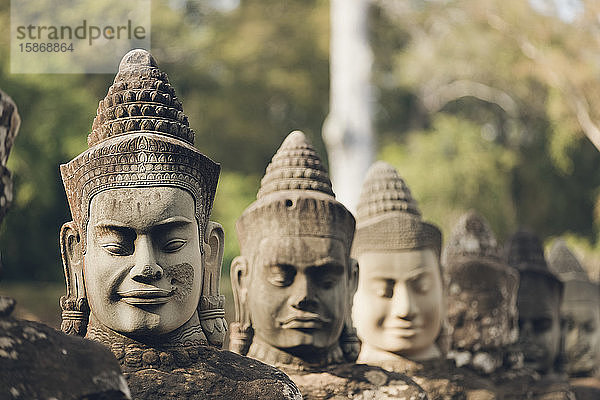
(249, 75)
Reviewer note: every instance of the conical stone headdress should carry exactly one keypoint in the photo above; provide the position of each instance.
(295, 199)
(473, 240)
(564, 263)
(140, 137)
(388, 217)
(525, 253)
(577, 284)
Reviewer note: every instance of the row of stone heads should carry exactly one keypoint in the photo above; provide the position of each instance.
(142, 261)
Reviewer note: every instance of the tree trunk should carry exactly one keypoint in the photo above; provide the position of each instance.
(348, 131)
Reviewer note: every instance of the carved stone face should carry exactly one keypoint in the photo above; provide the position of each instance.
(399, 302)
(482, 311)
(143, 266)
(539, 321)
(298, 293)
(582, 328)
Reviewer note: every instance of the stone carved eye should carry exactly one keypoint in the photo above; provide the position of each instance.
(281, 274)
(174, 245)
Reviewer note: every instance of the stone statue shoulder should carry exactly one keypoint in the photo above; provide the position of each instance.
(587, 388)
(524, 383)
(355, 381)
(204, 372)
(38, 362)
(442, 380)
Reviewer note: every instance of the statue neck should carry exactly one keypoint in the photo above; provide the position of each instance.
(370, 354)
(189, 334)
(177, 349)
(302, 359)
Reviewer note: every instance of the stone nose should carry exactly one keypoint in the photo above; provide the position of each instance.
(146, 269)
(304, 296)
(403, 303)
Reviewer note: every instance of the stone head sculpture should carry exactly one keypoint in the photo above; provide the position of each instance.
(580, 312)
(9, 126)
(141, 257)
(482, 295)
(539, 301)
(399, 304)
(294, 280)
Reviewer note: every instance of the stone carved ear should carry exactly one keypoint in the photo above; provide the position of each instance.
(241, 333)
(352, 277)
(75, 310)
(211, 309)
(349, 340)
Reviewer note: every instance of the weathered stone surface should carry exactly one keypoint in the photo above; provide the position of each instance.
(442, 380)
(142, 260)
(9, 127)
(539, 301)
(294, 282)
(355, 381)
(580, 312)
(586, 388)
(38, 362)
(482, 295)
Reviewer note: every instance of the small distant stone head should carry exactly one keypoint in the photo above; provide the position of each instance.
(399, 304)
(539, 302)
(580, 312)
(482, 289)
(294, 279)
(141, 257)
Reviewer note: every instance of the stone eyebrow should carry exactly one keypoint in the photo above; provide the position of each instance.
(108, 226)
(173, 222)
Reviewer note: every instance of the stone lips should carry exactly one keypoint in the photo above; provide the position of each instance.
(139, 160)
(295, 199)
(388, 217)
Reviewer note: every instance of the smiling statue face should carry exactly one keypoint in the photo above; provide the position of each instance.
(398, 304)
(142, 267)
(298, 292)
(539, 321)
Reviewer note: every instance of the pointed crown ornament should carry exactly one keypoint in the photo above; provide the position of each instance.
(577, 284)
(295, 199)
(388, 217)
(564, 263)
(141, 138)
